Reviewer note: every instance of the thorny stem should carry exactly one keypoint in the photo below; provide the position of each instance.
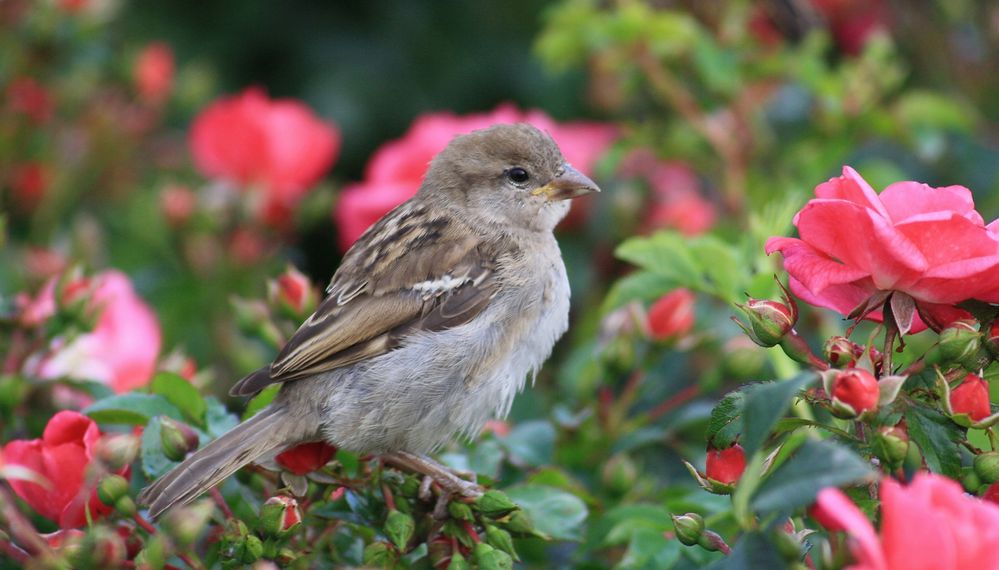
(220, 501)
(678, 399)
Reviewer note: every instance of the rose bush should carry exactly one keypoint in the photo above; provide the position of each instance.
(62, 457)
(929, 243)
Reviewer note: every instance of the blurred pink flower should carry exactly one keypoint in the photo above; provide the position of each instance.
(177, 203)
(672, 316)
(28, 97)
(396, 169)
(280, 145)
(929, 243)
(676, 200)
(931, 524)
(122, 348)
(153, 73)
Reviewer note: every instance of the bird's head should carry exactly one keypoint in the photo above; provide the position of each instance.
(508, 175)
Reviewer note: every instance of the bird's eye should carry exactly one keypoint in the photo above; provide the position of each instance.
(517, 175)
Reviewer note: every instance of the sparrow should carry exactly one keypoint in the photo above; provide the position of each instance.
(431, 325)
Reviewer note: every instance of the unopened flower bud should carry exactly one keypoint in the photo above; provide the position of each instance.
(152, 555)
(232, 544)
(112, 488)
(619, 473)
(768, 320)
(460, 511)
(841, 351)
(959, 342)
(991, 494)
(100, 548)
(854, 391)
(688, 528)
(279, 515)
(494, 504)
(439, 552)
(892, 444)
(116, 450)
(987, 466)
(185, 524)
(672, 316)
(399, 527)
(502, 540)
(970, 480)
(725, 465)
(177, 439)
(971, 398)
(177, 203)
(520, 522)
(743, 358)
(458, 562)
(992, 342)
(293, 293)
(489, 558)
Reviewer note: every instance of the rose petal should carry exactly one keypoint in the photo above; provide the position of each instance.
(853, 188)
(839, 509)
(904, 200)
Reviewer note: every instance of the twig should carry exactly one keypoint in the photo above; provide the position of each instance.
(220, 501)
(678, 399)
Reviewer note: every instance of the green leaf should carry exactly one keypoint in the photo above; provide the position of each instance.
(765, 404)
(154, 462)
(937, 438)
(754, 551)
(638, 286)
(132, 408)
(726, 420)
(555, 512)
(815, 466)
(650, 550)
(182, 394)
(664, 253)
(218, 418)
(261, 400)
(531, 443)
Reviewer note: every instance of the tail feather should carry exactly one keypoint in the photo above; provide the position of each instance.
(207, 467)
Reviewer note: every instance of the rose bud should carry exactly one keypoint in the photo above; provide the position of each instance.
(112, 488)
(991, 493)
(672, 316)
(971, 398)
(725, 465)
(959, 342)
(177, 439)
(100, 548)
(279, 515)
(177, 204)
(305, 457)
(987, 466)
(769, 321)
(992, 343)
(841, 351)
(892, 444)
(688, 528)
(399, 526)
(185, 524)
(117, 450)
(854, 391)
(293, 293)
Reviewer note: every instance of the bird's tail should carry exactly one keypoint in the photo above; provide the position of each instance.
(207, 467)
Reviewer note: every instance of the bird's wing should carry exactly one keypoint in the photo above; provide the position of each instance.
(381, 293)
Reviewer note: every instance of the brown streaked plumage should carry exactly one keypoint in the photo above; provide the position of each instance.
(432, 323)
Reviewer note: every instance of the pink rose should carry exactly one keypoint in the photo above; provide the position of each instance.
(279, 145)
(153, 73)
(395, 171)
(929, 243)
(61, 456)
(122, 348)
(930, 524)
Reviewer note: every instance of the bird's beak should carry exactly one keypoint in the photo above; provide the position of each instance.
(570, 184)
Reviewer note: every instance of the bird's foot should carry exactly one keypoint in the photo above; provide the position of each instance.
(449, 479)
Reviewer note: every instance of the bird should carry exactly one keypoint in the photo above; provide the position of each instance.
(431, 325)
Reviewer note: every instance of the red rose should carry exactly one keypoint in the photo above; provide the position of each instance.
(725, 465)
(278, 144)
(28, 97)
(971, 397)
(306, 457)
(672, 315)
(395, 171)
(123, 346)
(930, 523)
(856, 388)
(62, 457)
(929, 243)
(153, 73)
